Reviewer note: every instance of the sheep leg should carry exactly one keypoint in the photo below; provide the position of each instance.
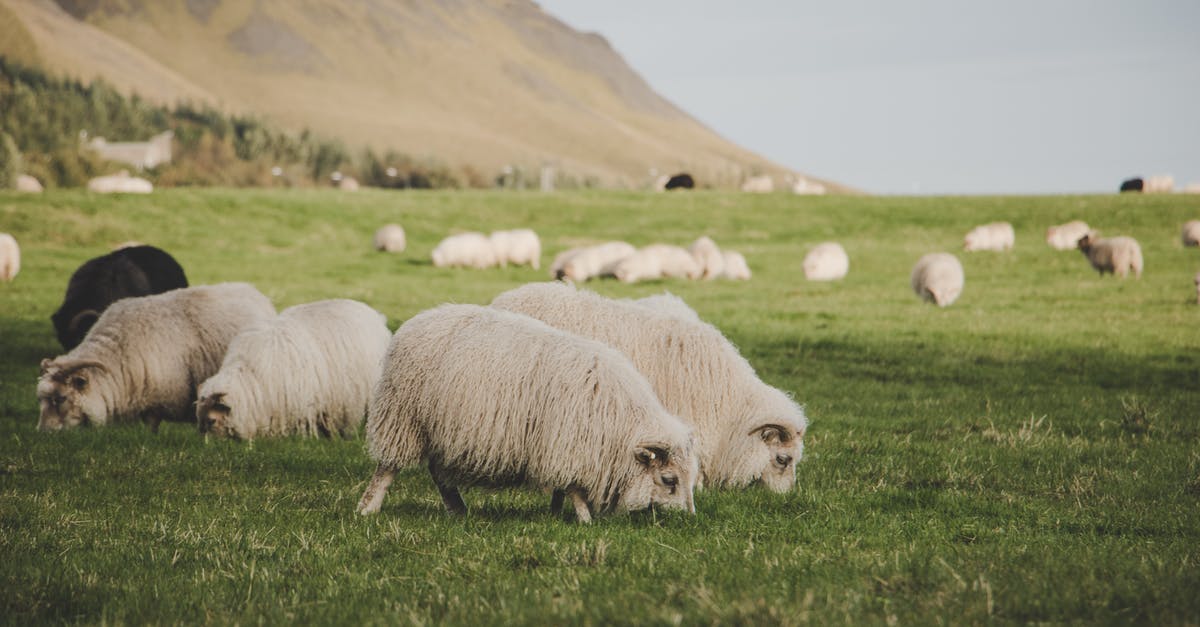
(556, 501)
(372, 498)
(152, 419)
(581, 507)
(450, 496)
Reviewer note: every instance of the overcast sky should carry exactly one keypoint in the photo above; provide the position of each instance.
(929, 97)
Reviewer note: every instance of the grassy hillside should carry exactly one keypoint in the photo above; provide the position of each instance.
(485, 83)
(1028, 454)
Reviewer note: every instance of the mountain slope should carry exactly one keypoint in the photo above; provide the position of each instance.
(482, 82)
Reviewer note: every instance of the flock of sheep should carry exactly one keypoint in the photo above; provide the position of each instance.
(615, 404)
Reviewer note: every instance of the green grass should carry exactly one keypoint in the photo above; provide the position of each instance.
(1027, 454)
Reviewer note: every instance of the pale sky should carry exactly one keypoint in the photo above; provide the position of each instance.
(926, 96)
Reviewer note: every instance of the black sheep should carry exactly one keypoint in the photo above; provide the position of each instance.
(683, 180)
(99, 282)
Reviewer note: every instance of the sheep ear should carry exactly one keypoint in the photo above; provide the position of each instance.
(47, 364)
(652, 455)
(83, 320)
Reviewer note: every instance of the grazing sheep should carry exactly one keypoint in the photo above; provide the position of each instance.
(560, 260)
(993, 236)
(144, 356)
(827, 261)
(10, 257)
(99, 282)
(668, 303)
(489, 397)
(1115, 255)
(657, 261)
(390, 239)
(806, 187)
(746, 430)
(348, 184)
(467, 250)
(1066, 236)
(938, 278)
(28, 184)
(518, 246)
(307, 371)
(759, 185)
(1191, 233)
(120, 183)
(683, 180)
(708, 255)
(1159, 184)
(1135, 184)
(735, 266)
(595, 261)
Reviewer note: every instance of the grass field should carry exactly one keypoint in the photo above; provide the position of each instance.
(1027, 454)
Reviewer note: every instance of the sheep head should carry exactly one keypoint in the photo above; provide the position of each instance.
(663, 477)
(68, 396)
(212, 414)
(764, 447)
(1085, 243)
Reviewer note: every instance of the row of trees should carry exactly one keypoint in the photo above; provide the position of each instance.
(43, 118)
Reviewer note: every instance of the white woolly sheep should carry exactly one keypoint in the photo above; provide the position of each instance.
(390, 239)
(28, 184)
(735, 266)
(763, 184)
(10, 257)
(993, 236)
(1191, 233)
(490, 397)
(518, 246)
(746, 430)
(144, 354)
(308, 371)
(595, 261)
(938, 278)
(1115, 255)
(468, 250)
(708, 255)
(827, 261)
(668, 303)
(556, 266)
(657, 261)
(120, 183)
(1066, 236)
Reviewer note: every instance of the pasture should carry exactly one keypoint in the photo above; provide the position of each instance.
(1027, 454)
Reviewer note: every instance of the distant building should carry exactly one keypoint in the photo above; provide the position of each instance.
(140, 155)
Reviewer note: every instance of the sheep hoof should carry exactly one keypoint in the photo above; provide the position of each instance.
(556, 502)
(582, 513)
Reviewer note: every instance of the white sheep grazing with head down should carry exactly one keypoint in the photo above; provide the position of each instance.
(307, 371)
(938, 278)
(1191, 233)
(467, 250)
(10, 257)
(992, 236)
(489, 397)
(668, 303)
(827, 261)
(1066, 236)
(518, 246)
(390, 239)
(595, 261)
(120, 183)
(1114, 255)
(708, 255)
(735, 266)
(144, 354)
(746, 430)
(560, 260)
(657, 261)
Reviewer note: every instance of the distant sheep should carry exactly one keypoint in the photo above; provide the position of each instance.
(759, 185)
(348, 184)
(489, 397)
(390, 239)
(708, 255)
(746, 430)
(10, 257)
(1066, 236)
(657, 261)
(595, 261)
(1115, 255)
(307, 371)
(1159, 184)
(669, 303)
(120, 183)
(144, 356)
(518, 247)
(827, 261)
(466, 250)
(28, 184)
(683, 180)
(994, 236)
(938, 278)
(1135, 184)
(735, 266)
(99, 282)
(1191, 233)
(560, 260)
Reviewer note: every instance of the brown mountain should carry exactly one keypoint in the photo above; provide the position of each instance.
(482, 82)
